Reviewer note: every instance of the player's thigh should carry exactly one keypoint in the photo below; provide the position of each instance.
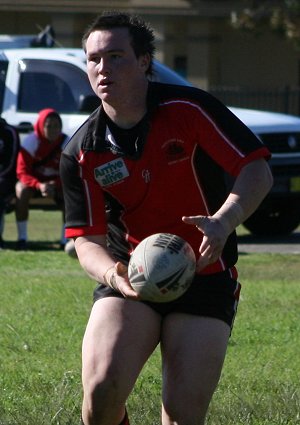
(120, 336)
(193, 352)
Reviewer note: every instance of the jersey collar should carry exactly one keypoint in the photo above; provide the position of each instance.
(96, 134)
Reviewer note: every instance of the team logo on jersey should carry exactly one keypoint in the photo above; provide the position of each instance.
(174, 150)
(146, 175)
(111, 173)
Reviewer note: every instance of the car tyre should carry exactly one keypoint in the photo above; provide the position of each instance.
(278, 220)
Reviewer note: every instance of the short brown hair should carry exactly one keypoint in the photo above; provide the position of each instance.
(142, 36)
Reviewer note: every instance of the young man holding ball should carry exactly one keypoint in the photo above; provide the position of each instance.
(153, 158)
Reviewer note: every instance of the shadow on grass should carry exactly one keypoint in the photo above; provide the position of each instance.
(293, 238)
(34, 246)
(287, 244)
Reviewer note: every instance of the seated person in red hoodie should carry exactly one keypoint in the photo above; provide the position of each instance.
(38, 168)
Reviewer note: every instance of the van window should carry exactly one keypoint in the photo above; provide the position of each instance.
(51, 84)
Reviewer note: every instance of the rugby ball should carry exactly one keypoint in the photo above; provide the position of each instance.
(162, 267)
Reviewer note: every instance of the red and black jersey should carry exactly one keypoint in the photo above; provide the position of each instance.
(179, 162)
(9, 148)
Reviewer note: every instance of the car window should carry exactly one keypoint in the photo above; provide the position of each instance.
(51, 84)
(3, 70)
(163, 74)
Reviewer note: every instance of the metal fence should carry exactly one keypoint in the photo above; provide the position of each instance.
(286, 99)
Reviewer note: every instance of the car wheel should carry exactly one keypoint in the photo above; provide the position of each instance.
(278, 220)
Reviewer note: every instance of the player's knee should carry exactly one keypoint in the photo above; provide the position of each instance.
(191, 411)
(100, 396)
(94, 403)
(23, 193)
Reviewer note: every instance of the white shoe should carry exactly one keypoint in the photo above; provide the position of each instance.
(70, 248)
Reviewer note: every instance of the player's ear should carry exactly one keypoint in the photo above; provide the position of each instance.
(144, 61)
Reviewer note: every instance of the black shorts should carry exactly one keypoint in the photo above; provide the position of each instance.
(214, 295)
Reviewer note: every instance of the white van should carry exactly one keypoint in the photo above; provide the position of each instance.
(35, 78)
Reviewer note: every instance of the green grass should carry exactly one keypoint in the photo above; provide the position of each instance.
(45, 303)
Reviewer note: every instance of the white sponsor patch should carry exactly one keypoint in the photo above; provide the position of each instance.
(112, 172)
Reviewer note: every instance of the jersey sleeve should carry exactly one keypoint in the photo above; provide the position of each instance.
(223, 136)
(83, 197)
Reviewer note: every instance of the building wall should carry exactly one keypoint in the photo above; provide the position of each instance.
(264, 61)
(200, 43)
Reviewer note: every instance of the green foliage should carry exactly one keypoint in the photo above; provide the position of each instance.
(45, 303)
(281, 17)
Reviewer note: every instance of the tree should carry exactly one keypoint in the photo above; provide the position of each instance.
(281, 16)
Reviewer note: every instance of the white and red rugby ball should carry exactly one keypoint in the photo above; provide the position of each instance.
(162, 267)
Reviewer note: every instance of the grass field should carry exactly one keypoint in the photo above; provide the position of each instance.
(45, 302)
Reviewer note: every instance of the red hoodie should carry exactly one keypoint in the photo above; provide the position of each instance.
(38, 159)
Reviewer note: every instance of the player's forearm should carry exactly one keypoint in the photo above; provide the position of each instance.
(94, 257)
(250, 188)
(101, 266)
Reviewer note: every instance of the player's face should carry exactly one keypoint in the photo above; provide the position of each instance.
(113, 69)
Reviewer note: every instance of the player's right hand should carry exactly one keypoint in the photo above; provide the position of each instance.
(121, 282)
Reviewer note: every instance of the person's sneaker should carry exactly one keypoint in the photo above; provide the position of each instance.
(21, 245)
(2, 246)
(70, 248)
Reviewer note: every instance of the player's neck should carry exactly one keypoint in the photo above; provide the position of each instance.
(126, 119)
(128, 113)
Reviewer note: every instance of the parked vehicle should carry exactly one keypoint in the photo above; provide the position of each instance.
(279, 213)
(34, 78)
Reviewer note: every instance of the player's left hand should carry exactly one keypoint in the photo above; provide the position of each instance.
(214, 238)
